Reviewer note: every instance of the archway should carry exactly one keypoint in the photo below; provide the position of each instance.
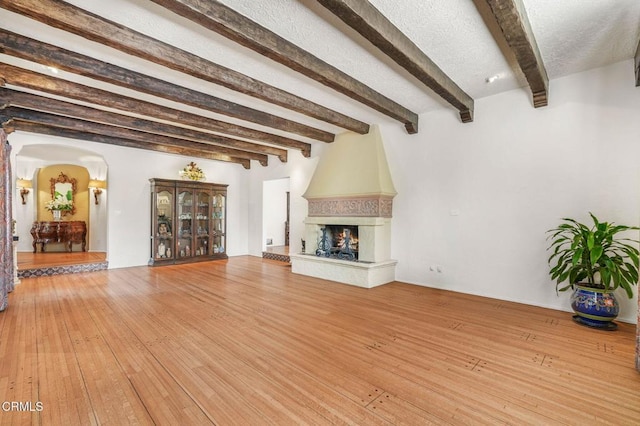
(34, 163)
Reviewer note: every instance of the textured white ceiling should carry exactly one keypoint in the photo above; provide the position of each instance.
(573, 36)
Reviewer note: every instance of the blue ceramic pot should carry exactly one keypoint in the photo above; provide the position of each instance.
(596, 308)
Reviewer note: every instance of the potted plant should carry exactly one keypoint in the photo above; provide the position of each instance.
(59, 203)
(593, 261)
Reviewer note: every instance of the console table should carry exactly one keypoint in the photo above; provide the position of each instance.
(67, 232)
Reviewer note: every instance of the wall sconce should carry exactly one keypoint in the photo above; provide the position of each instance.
(98, 186)
(23, 185)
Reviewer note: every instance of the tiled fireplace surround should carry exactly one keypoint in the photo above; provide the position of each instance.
(363, 199)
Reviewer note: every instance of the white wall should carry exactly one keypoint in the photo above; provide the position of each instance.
(99, 222)
(128, 204)
(274, 213)
(511, 175)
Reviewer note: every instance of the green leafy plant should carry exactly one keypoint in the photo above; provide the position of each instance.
(60, 201)
(596, 256)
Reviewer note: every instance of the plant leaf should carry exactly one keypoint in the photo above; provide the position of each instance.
(596, 252)
(577, 255)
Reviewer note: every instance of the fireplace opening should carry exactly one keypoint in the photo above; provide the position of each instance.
(338, 241)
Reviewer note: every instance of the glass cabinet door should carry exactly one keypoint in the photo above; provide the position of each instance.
(203, 232)
(185, 212)
(163, 233)
(219, 224)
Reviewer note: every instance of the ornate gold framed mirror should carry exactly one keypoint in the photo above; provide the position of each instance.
(64, 188)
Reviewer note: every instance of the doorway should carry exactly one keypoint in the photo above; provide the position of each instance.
(276, 214)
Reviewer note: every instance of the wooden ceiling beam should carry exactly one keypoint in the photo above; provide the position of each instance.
(78, 21)
(15, 98)
(508, 23)
(52, 120)
(47, 54)
(363, 17)
(25, 126)
(35, 81)
(217, 17)
(165, 90)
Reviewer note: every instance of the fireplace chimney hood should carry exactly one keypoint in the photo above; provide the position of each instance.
(353, 169)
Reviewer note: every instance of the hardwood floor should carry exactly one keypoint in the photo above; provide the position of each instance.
(245, 341)
(29, 260)
(58, 263)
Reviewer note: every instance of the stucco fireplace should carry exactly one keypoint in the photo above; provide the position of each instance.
(351, 188)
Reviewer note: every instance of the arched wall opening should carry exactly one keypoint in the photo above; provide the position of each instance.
(38, 163)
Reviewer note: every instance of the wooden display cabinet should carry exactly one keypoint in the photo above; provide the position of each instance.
(188, 221)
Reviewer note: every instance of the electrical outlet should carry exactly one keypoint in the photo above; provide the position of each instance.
(269, 241)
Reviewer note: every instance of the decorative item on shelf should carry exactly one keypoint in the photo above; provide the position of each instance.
(24, 185)
(164, 229)
(594, 261)
(192, 172)
(98, 186)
